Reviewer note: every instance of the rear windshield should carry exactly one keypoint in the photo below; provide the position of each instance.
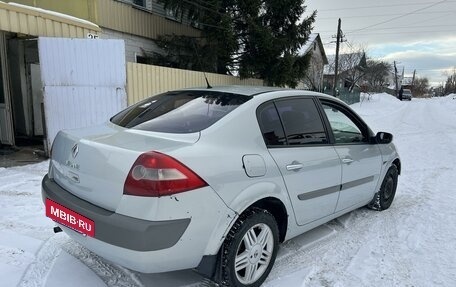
(179, 112)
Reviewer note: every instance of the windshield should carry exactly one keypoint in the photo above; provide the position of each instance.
(179, 112)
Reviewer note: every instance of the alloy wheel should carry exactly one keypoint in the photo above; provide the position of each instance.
(254, 254)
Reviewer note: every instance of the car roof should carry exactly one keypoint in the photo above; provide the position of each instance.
(251, 90)
(240, 90)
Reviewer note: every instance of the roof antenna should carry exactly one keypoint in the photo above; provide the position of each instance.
(207, 82)
(199, 61)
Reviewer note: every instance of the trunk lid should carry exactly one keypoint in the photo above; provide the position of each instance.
(93, 163)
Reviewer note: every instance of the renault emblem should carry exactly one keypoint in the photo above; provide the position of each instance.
(75, 150)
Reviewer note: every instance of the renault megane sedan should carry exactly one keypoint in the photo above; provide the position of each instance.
(214, 179)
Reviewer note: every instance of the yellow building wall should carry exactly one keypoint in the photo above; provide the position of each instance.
(144, 81)
(36, 23)
(84, 9)
(117, 16)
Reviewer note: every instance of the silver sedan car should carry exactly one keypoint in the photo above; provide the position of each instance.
(214, 179)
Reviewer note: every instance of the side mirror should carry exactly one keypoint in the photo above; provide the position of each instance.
(383, 138)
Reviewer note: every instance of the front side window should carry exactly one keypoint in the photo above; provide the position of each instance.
(345, 130)
(179, 112)
(301, 121)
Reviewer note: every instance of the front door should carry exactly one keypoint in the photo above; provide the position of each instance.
(6, 119)
(361, 161)
(296, 139)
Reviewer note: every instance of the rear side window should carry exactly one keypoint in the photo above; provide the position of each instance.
(270, 125)
(179, 112)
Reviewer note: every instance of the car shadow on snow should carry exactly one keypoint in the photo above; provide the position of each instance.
(304, 241)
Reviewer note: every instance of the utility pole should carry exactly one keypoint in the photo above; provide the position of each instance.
(395, 77)
(413, 78)
(336, 67)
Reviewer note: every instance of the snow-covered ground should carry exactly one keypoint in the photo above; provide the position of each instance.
(411, 244)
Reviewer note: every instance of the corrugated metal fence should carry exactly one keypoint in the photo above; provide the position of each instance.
(349, 97)
(147, 80)
(36, 22)
(83, 82)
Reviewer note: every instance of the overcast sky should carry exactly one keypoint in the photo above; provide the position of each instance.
(418, 34)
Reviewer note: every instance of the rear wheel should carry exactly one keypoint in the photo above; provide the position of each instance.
(250, 249)
(384, 197)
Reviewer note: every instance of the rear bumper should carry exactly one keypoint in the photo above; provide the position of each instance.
(165, 245)
(116, 229)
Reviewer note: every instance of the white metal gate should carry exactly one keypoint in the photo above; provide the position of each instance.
(83, 82)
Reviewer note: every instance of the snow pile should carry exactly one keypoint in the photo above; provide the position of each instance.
(379, 110)
(410, 244)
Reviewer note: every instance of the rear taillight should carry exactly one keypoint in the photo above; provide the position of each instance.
(155, 174)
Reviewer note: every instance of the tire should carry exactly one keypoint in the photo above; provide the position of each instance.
(384, 197)
(254, 263)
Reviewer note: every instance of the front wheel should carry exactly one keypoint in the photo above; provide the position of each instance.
(250, 249)
(384, 197)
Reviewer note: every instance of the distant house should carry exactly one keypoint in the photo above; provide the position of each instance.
(351, 69)
(390, 79)
(407, 83)
(314, 76)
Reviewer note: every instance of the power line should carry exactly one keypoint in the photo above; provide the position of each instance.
(380, 6)
(421, 21)
(403, 32)
(384, 15)
(207, 3)
(393, 28)
(198, 5)
(429, 70)
(398, 17)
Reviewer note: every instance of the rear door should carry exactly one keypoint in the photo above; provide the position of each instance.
(361, 161)
(295, 135)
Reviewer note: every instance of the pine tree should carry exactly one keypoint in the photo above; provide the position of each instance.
(252, 38)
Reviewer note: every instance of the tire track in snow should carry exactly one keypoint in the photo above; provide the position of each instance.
(37, 272)
(110, 274)
(348, 254)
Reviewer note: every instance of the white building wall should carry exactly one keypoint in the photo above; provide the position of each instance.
(134, 45)
(315, 69)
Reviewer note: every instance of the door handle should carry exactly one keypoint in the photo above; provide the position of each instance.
(347, 160)
(294, 166)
